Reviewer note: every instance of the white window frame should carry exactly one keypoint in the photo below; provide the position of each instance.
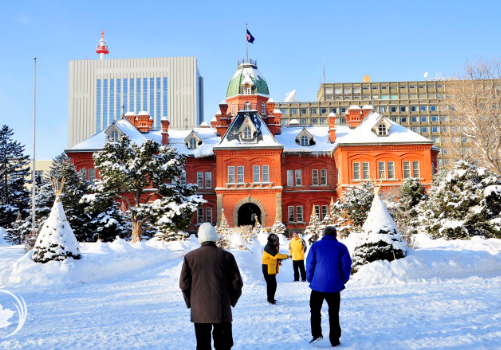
(200, 179)
(314, 177)
(231, 174)
(366, 171)
(92, 174)
(291, 213)
(247, 134)
(304, 140)
(263, 108)
(299, 177)
(325, 211)
(356, 171)
(182, 178)
(323, 176)
(256, 173)
(193, 143)
(317, 211)
(200, 215)
(266, 173)
(391, 170)
(299, 213)
(381, 169)
(415, 169)
(290, 177)
(407, 170)
(240, 174)
(208, 179)
(208, 214)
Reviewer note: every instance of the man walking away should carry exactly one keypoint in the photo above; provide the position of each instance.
(297, 248)
(328, 267)
(211, 284)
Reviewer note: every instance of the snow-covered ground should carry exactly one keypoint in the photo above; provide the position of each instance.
(444, 295)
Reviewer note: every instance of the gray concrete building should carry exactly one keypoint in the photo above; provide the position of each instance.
(102, 91)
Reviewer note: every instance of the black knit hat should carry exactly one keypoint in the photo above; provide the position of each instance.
(273, 238)
(330, 231)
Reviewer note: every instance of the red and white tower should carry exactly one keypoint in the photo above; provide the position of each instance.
(102, 48)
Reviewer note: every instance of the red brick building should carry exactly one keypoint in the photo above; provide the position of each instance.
(246, 163)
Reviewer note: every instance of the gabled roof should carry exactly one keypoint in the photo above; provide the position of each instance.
(363, 133)
(262, 137)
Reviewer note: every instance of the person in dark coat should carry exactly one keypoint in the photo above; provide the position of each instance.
(211, 285)
(271, 265)
(328, 268)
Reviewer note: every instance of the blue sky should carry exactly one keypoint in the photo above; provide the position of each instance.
(389, 40)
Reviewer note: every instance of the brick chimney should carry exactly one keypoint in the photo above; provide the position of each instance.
(131, 117)
(222, 118)
(143, 121)
(354, 116)
(366, 110)
(165, 130)
(331, 120)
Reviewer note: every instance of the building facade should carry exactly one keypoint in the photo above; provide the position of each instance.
(248, 164)
(418, 105)
(102, 91)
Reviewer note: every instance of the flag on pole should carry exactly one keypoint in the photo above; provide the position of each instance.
(250, 38)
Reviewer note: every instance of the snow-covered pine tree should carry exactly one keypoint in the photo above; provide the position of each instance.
(137, 173)
(352, 208)
(224, 233)
(56, 240)
(14, 169)
(412, 192)
(256, 229)
(314, 224)
(379, 239)
(464, 201)
(278, 227)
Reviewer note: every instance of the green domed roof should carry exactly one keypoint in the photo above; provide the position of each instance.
(247, 73)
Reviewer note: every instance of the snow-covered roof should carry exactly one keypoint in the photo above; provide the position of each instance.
(363, 133)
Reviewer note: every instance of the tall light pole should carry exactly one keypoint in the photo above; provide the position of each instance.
(34, 128)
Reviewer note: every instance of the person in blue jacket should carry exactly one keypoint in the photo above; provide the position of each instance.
(328, 267)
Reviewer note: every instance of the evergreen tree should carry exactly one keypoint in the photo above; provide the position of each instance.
(464, 201)
(14, 169)
(352, 208)
(314, 224)
(379, 239)
(224, 233)
(136, 174)
(278, 227)
(412, 192)
(56, 240)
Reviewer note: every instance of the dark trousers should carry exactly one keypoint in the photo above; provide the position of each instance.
(223, 339)
(333, 301)
(298, 265)
(271, 283)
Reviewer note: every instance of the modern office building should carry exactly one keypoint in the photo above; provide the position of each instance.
(102, 91)
(418, 105)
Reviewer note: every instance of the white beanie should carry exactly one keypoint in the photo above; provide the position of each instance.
(207, 232)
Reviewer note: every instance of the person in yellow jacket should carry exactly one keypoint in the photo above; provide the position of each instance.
(271, 265)
(297, 248)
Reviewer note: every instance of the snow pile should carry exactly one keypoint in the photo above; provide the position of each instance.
(2, 233)
(56, 240)
(434, 260)
(99, 261)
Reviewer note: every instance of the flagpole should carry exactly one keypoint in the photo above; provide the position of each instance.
(33, 172)
(246, 44)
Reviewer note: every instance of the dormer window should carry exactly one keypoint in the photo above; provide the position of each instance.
(382, 127)
(247, 90)
(263, 108)
(304, 140)
(115, 137)
(247, 133)
(382, 131)
(193, 144)
(113, 133)
(247, 105)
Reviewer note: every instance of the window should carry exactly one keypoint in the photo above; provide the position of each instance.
(424, 119)
(382, 130)
(356, 171)
(232, 109)
(407, 170)
(299, 214)
(424, 129)
(434, 129)
(247, 133)
(314, 177)
(393, 109)
(382, 109)
(403, 119)
(317, 211)
(303, 110)
(381, 170)
(323, 110)
(391, 170)
(266, 173)
(193, 143)
(423, 108)
(208, 179)
(415, 129)
(403, 109)
(333, 110)
(83, 171)
(200, 180)
(240, 174)
(263, 108)
(247, 90)
(256, 173)
(415, 169)
(299, 181)
(247, 105)
(325, 211)
(434, 118)
(313, 111)
(231, 174)
(413, 108)
(115, 136)
(293, 111)
(304, 140)
(433, 108)
(183, 178)
(200, 215)
(92, 174)
(291, 214)
(365, 170)
(208, 215)
(323, 177)
(290, 178)
(414, 119)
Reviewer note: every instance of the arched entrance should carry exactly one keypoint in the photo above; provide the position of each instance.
(247, 214)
